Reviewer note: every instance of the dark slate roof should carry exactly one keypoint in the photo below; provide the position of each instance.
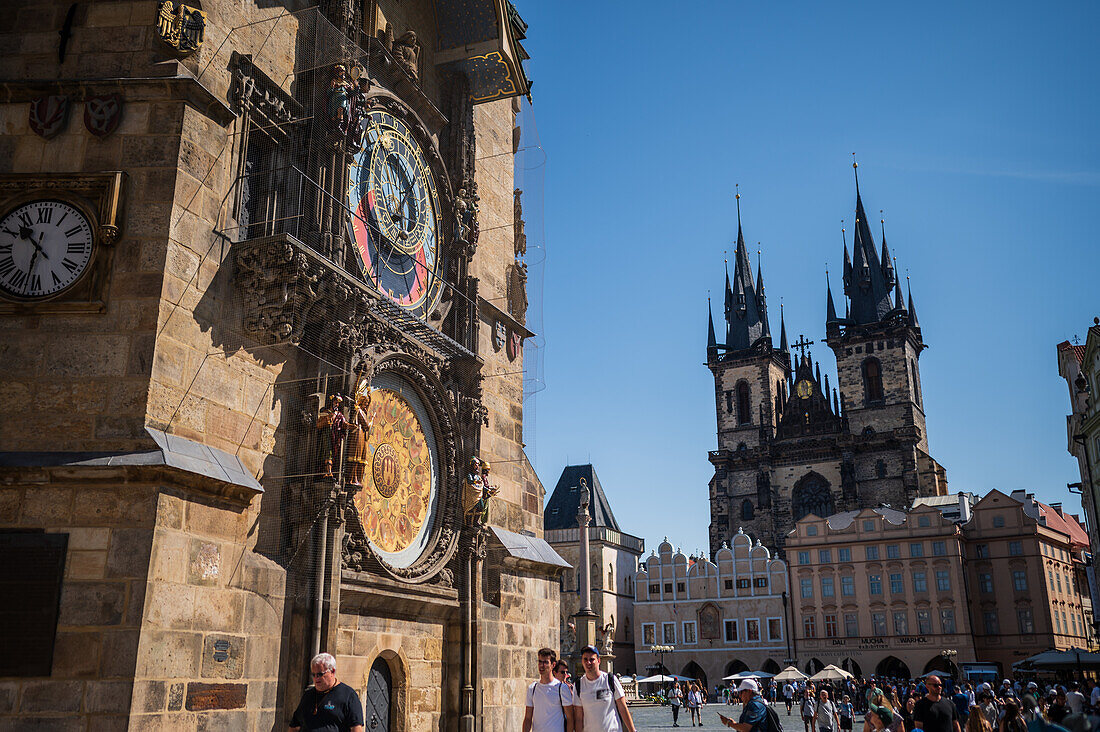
(561, 509)
(171, 450)
(869, 287)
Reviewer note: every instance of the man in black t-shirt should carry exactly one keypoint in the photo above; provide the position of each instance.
(329, 705)
(933, 713)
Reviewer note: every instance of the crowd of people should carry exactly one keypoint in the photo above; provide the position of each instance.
(934, 704)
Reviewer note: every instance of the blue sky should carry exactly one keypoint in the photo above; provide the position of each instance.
(975, 125)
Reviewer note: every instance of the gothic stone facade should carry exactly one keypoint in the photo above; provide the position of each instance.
(789, 445)
(159, 418)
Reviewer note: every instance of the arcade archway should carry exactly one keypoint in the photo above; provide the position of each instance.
(851, 667)
(735, 666)
(694, 671)
(892, 667)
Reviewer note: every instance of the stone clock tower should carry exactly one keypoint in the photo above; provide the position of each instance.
(789, 444)
(264, 313)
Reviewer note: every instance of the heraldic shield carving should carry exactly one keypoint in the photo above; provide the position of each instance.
(48, 115)
(181, 26)
(102, 114)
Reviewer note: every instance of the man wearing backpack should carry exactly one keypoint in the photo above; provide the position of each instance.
(756, 716)
(601, 702)
(549, 701)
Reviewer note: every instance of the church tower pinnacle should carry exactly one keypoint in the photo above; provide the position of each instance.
(877, 343)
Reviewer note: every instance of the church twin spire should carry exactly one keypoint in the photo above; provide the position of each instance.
(872, 290)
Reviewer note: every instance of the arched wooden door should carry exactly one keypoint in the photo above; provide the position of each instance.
(379, 693)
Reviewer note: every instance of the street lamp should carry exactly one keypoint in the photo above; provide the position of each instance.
(947, 654)
(660, 652)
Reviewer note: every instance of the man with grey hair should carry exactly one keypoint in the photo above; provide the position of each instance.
(329, 705)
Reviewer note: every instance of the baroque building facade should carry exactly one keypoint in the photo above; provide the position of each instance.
(881, 591)
(613, 558)
(719, 618)
(789, 444)
(261, 283)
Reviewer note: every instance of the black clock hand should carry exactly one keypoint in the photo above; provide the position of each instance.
(38, 245)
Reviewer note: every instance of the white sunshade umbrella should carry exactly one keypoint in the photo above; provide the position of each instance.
(656, 679)
(831, 673)
(790, 674)
(739, 676)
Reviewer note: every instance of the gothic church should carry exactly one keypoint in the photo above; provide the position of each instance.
(789, 444)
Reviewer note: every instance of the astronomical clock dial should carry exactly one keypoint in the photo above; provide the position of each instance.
(45, 247)
(804, 388)
(400, 487)
(396, 219)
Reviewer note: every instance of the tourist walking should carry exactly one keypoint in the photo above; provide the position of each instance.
(329, 704)
(808, 708)
(694, 704)
(827, 717)
(754, 713)
(549, 701)
(601, 703)
(847, 713)
(934, 713)
(788, 696)
(675, 700)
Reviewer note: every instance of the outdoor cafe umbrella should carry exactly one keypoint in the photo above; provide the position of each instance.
(790, 674)
(656, 679)
(1056, 660)
(831, 673)
(740, 675)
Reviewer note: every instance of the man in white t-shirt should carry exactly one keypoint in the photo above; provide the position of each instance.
(601, 703)
(1075, 700)
(549, 701)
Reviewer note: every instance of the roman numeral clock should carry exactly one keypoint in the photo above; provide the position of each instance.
(55, 237)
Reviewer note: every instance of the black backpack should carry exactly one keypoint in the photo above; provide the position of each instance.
(774, 725)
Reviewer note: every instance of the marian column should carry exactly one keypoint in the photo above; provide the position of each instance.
(585, 619)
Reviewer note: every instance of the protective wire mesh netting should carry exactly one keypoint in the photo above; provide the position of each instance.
(295, 82)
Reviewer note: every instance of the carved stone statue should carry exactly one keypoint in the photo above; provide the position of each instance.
(568, 638)
(406, 51)
(607, 637)
(519, 225)
(517, 291)
(477, 492)
(339, 99)
(358, 433)
(359, 112)
(332, 426)
(466, 225)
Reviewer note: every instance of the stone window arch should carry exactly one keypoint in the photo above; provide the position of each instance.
(812, 495)
(747, 510)
(744, 403)
(872, 381)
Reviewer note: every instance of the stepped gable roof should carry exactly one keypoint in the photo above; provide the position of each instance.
(561, 509)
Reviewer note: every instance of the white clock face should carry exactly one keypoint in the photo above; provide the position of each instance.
(45, 246)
